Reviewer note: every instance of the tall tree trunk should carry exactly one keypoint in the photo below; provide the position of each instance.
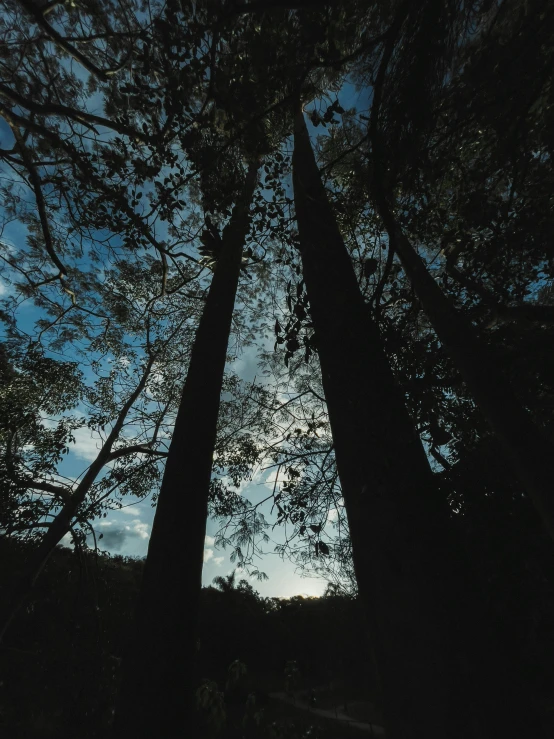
(159, 667)
(528, 450)
(413, 579)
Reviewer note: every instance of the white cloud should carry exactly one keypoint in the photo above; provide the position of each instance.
(332, 515)
(131, 510)
(271, 478)
(49, 423)
(86, 446)
(218, 561)
(242, 486)
(140, 528)
(208, 554)
(209, 540)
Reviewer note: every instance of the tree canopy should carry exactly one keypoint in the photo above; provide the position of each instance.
(382, 174)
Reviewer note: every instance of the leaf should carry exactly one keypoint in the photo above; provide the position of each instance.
(316, 528)
(315, 118)
(370, 266)
(277, 327)
(323, 548)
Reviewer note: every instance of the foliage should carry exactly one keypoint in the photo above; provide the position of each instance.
(125, 128)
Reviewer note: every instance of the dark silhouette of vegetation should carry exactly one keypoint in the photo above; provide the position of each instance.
(371, 184)
(87, 600)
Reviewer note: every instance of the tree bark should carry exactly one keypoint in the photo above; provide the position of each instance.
(418, 593)
(159, 668)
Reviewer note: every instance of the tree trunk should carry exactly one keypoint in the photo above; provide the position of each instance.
(413, 580)
(159, 668)
(528, 450)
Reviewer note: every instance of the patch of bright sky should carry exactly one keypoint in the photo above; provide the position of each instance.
(127, 532)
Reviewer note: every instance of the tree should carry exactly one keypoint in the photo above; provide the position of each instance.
(164, 674)
(225, 584)
(127, 406)
(113, 203)
(33, 384)
(526, 445)
(396, 499)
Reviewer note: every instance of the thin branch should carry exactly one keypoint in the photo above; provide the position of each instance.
(48, 487)
(135, 449)
(440, 459)
(39, 197)
(79, 116)
(376, 298)
(39, 18)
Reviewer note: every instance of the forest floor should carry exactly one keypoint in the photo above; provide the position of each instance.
(352, 718)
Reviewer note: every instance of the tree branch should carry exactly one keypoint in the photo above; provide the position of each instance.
(39, 197)
(39, 17)
(135, 449)
(86, 119)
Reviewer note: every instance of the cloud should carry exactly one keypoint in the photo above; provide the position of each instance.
(218, 561)
(246, 366)
(131, 510)
(209, 540)
(86, 446)
(226, 480)
(208, 554)
(332, 515)
(270, 479)
(115, 536)
(47, 422)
